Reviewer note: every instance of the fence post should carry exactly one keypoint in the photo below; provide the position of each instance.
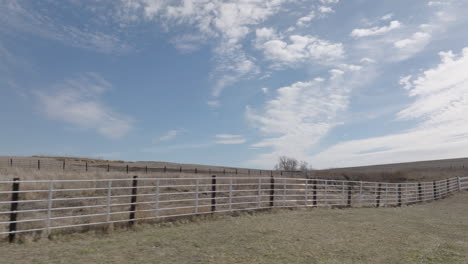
(213, 194)
(196, 170)
(196, 196)
(108, 167)
(350, 187)
(284, 192)
(377, 202)
(236, 171)
(165, 169)
(448, 188)
(360, 193)
(343, 196)
(86, 166)
(306, 190)
(259, 198)
(38, 164)
(434, 184)
(272, 190)
(314, 193)
(459, 184)
(419, 192)
(230, 194)
(13, 209)
(11, 163)
(386, 195)
(127, 168)
(180, 169)
(109, 195)
(133, 200)
(63, 165)
(146, 169)
(156, 202)
(49, 205)
(399, 194)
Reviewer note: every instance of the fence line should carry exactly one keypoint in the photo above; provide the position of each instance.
(42, 206)
(129, 168)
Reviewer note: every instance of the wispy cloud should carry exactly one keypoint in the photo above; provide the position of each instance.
(163, 149)
(440, 107)
(226, 23)
(229, 139)
(77, 102)
(171, 134)
(375, 31)
(297, 49)
(24, 17)
(300, 116)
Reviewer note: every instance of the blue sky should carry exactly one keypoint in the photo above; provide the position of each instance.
(235, 83)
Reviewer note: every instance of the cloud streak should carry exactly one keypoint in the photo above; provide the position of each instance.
(375, 31)
(19, 16)
(77, 102)
(440, 106)
(300, 115)
(229, 139)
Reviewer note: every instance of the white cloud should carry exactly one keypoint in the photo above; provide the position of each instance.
(233, 64)
(375, 31)
(329, 1)
(445, 16)
(21, 17)
(440, 106)
(442, 92)
(300, 115)
(165, 149)
(325, 9)
(305, 20)
(300, 49)
(367, 60)
(417, 42)
(214, 103)
(405, 82)
(437, 3)
(171, 134)
(77, 102)
(264, 90)
(225, 22)
(188, 43)
(387, 17)
(229, 139)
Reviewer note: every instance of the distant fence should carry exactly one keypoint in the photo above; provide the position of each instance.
(129, 168)
(44, 206)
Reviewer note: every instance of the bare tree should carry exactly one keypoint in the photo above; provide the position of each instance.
(304, 166)
(286, 164)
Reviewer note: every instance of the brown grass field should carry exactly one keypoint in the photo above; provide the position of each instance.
(399, 172)
(50, 170)
(435, 232)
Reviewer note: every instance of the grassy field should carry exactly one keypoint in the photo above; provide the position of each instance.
(430, 233)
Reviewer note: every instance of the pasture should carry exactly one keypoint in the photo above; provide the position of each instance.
(435, 232)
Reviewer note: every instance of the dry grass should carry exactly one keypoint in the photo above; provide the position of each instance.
(404, 172)
(396, 175)
(429, 233)
(328, 195)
